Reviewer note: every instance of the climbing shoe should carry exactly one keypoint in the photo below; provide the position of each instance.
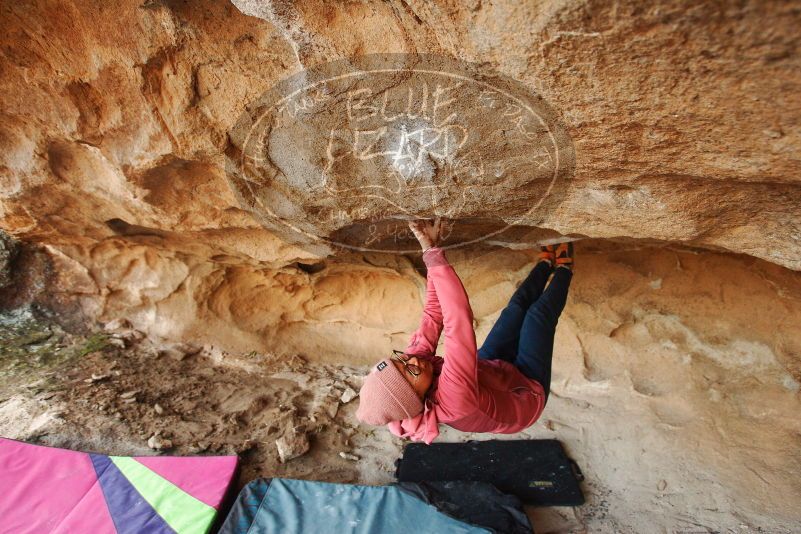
(548, 253)
(564, 255)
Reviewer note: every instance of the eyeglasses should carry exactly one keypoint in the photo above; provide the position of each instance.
(413, 369)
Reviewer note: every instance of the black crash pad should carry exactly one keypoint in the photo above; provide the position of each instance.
(538, 472)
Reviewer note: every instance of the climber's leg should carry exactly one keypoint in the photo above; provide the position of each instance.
(502, 341)
(535, 350)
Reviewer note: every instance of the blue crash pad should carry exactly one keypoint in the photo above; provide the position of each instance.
(301, 506)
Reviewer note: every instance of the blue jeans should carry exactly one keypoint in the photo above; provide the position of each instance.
(524, 332)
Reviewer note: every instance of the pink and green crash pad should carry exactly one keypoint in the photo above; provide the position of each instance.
(46, 489)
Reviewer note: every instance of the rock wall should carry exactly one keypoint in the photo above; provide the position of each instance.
(115, 121)
(685, 120)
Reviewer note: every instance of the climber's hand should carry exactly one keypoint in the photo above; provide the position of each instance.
(427, 232)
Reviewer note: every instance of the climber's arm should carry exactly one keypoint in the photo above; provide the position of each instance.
(459, 375)
(426, 338)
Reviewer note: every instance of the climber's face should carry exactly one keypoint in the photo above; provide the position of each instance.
(423, 380)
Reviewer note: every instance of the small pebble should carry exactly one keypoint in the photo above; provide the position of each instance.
(156, 442)
(292, 444)
(158, 409)
(95, 378)
(349, 456)
(117, 324)
(348, 395)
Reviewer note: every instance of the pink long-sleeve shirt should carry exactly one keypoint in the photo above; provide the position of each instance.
(467, 394)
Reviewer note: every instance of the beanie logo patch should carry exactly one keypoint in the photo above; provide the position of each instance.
(381, 366)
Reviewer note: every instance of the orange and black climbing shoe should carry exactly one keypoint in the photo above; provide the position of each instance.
(548, 252)
(564, 254)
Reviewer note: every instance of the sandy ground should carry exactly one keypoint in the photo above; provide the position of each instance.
(108, 400)
(682, 418)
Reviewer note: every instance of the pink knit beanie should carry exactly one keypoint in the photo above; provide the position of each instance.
(386, 396)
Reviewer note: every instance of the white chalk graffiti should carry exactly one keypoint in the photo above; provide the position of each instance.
(402, 142)
(360, 106)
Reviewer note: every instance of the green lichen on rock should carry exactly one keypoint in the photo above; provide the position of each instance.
(28, 344)
(96, 341)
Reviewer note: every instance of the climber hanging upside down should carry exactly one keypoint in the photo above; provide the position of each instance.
(501, 387)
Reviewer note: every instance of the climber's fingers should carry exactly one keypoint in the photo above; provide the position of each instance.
(418, 229)
(428, 232)
(437, 227)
